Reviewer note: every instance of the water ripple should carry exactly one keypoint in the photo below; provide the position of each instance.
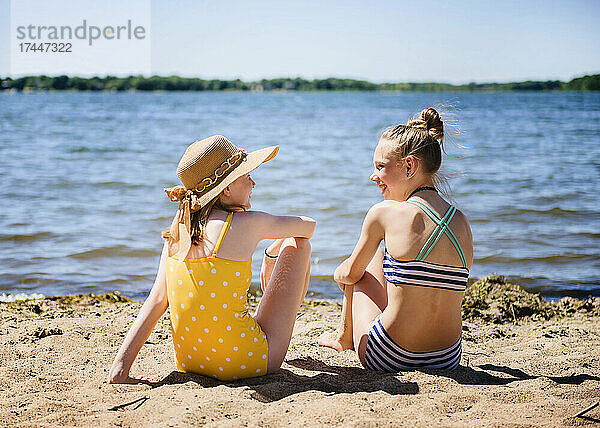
(84, 210)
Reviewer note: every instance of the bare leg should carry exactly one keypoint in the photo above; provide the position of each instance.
(362, 303)
(369, 301)
(341, 339)
(287, 285)
(268, 264)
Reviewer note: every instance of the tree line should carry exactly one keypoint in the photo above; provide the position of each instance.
(176, 83)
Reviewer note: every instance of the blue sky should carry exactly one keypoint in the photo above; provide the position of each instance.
(396, 41)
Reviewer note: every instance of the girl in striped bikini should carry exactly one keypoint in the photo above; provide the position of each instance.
(402, 306)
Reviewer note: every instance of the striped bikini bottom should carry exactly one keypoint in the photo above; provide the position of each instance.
(383, 354)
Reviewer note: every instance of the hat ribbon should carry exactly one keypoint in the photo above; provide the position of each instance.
(189, 201)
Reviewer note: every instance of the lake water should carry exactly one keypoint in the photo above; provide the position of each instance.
(82, 205)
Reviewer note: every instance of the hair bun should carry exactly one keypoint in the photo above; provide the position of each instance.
(429, 120)
(433, 123)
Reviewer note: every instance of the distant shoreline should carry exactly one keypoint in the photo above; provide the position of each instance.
(176, 83)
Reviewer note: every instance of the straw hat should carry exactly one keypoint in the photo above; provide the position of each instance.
(206, 168)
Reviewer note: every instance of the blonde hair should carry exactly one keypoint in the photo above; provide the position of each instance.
(421, 137)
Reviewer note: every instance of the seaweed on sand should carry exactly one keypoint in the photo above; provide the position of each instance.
(494, 299)
(91, 299)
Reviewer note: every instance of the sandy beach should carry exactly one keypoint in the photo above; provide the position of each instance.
(530, 368)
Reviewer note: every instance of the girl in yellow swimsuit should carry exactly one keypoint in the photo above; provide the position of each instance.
(205, 271)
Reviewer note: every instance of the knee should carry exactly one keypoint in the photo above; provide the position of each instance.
(301, 245)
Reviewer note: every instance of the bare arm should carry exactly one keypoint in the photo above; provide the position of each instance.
(351, 270)
(267, 226)
(153, 308)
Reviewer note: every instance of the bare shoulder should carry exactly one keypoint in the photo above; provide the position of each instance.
(251, 215)
(262, 225)
(251, 218)
(461, 217)
(396, 206)
(395, 211)
(264, 217)
(461, 220)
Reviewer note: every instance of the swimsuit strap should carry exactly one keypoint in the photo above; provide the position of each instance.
(442, 227)
(222, 235)
(437, 233)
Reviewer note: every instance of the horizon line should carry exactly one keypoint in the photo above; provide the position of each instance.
(297, 77)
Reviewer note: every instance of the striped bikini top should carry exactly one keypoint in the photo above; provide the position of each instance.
(425, 274)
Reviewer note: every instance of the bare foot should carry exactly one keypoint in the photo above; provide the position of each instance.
(335, 340)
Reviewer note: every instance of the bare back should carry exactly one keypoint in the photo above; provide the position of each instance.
(423, 318)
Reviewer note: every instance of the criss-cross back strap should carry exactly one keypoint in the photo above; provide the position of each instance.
(442, 228)
(436, 234)
(222, 235)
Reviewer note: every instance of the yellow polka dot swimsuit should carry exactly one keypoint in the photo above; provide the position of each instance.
(213, 334)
